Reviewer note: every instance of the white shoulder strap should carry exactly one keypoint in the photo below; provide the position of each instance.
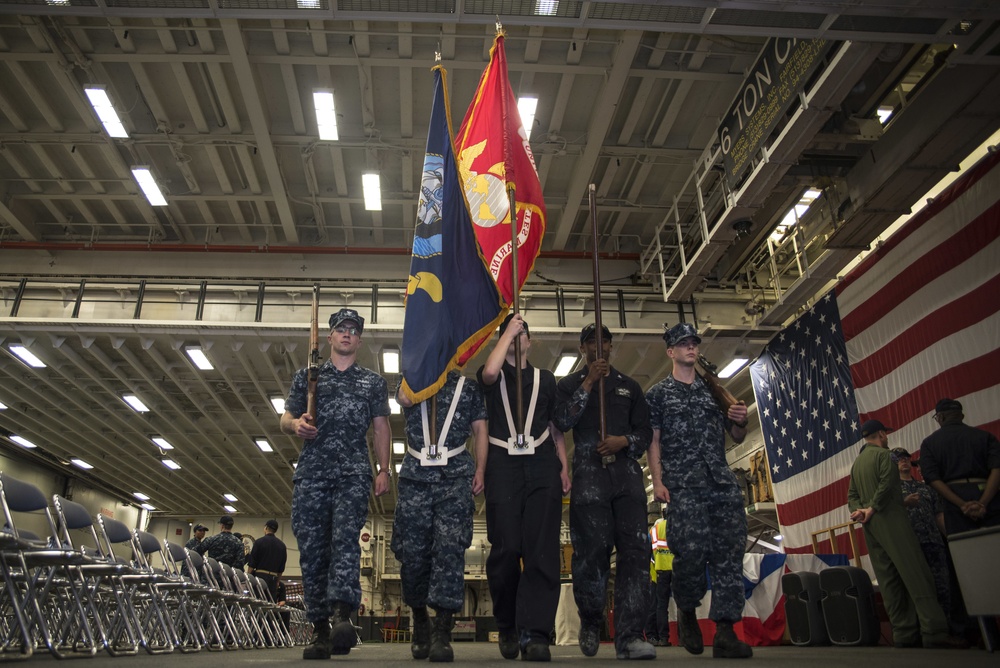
(435, 454)
(527, 445)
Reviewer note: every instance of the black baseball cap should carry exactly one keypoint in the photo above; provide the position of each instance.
(873, 427)
(945, 405)
(200, 527)
(506, 321)
(590, 331)
(226, 520)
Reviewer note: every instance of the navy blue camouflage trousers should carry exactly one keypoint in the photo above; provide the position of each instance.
(607, 511)
(708, 527)
(432, 530)
(327, 517)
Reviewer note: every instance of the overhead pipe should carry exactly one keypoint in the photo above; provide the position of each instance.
(117, 247)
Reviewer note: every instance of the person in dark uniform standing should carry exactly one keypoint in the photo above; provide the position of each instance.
(267, 558)
(333, 479)
(607, 510)
(524, 482)
(962, 464)
(875, 498)
(432, 527)
(708, 524)
(224, 546)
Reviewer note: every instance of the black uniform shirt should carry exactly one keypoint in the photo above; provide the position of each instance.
(268, 554)
(958, 451)
(544, 406)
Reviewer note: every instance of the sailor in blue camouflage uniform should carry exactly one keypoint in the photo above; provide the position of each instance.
(708, 525)
(199, 535)
(224, 546)
(333, 479)
(608, 507)
(432, 528)
(925, 509)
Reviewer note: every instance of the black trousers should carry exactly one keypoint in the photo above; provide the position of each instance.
(523, 515)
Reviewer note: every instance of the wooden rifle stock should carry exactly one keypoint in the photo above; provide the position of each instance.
(313, 371)
(722, 396)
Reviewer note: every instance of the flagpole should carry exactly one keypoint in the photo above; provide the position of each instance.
(515, 275)
(598, 326)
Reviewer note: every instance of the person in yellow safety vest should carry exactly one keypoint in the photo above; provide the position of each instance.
(660, 572)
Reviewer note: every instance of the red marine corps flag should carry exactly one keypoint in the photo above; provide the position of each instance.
(493, 152)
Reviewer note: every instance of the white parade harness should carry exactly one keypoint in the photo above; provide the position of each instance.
(520, 444)
(435, 454)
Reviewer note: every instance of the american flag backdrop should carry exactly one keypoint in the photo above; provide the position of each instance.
(917, 321)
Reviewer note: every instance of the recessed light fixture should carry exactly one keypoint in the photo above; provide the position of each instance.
(734, 366)
(546, 7)
(198, 357)
(140, 496)
(390, 360)
(279, 404)
(230, 497)
(171, 464)
(135, 402)
(394, 407)
(372, 191)
(566, 363)
(398, 447)
(162, 443)
(399, 466)
(22, 441)
(326, 114)
(145, 179)
(3, 406)
(101, 103)
(263, 445)
(26, 356)
(526, 106)
(229, 509)
(148, 506)
(79, 463)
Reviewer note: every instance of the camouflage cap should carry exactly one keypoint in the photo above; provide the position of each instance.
(345, 314)
(679, 332)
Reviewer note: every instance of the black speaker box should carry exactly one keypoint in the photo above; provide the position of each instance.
(803, 608)
(849, 606)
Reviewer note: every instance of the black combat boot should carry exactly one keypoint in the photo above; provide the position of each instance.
(342, 635)
(441, 650)
(319, 644)
(689, 633)
(590, 637)
(510, 643)
(726, 645)
(421, 645)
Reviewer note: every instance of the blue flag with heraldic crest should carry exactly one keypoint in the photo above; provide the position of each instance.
(452, 303)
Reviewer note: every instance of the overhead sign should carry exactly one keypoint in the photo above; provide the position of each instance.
(779, 75)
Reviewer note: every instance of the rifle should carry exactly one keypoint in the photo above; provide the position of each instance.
(722, 396)
(313, 370)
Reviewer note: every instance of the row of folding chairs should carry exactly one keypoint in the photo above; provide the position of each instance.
(75, 594)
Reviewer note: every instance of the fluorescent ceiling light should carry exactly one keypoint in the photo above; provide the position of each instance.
(734, 366)
(526, 106)
(140, 496)
(279, 404)
(308, 4)
(884, 114)
(372, 191)
(76, 461)
(162, 443)
(136, 403)
(57, 3)
(398, 447)
(399, 466)
(22, 441)
(546, 7)
(811, 194)
(199, 358)
(171, 464)
(263, 445)
(148, 184)
(101, 103)
(565, 365)
(230, 497)
(3, 406)
(229, 509)
(326, 114)
(390, 360)
(148, 506)
(777, 536)
(26, 356)
(394, 407)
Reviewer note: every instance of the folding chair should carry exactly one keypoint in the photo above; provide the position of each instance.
(154, 615)
(52, 593)
(18, 605)
(213, 608)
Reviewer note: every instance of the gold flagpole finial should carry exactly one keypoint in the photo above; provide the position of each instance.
(499, 26)
(437, 56)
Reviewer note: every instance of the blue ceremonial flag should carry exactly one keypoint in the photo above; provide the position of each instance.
(452, 302)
